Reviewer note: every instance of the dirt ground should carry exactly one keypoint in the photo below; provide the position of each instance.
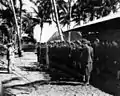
(27, 79)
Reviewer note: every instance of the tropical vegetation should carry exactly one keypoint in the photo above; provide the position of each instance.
(62, 12)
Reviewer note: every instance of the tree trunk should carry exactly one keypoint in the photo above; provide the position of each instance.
(41, 26)
(19, 51)
(39, 53)
(20, 24)
(70, 9)
(57, 20)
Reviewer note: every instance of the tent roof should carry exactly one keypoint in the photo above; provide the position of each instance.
(105, 23)
(74, 36)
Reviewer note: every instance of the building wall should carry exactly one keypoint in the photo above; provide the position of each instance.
(110, 35)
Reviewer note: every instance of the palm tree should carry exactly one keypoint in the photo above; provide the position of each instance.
(88, 10)
(57, 19)
(17, 27)
(43, 13)
(7, 21)
(21, 5)
(64, 13)
(70, 10)
(8, 13)
(29, 22)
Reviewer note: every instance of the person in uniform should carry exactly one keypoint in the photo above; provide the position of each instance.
(78, 55)
(10, 56)
(87, 61)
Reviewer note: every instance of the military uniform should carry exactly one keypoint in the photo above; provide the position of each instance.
(87, 61)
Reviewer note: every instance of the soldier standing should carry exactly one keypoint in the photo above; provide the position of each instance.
(10, 56)
(87, 60)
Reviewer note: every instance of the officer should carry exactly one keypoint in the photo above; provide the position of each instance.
(87, 61)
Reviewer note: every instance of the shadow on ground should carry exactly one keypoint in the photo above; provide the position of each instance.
(35, 67)
(26, 68)
(35, 84)
(10, 80)
(56, 77)
(106, 82)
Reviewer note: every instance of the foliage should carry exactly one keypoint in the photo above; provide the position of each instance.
(28, 23)
(63, 12)
(82, 10)
(7, 18)
(87, 10)
(43, 11)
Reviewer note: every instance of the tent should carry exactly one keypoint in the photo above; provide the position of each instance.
(74, 36)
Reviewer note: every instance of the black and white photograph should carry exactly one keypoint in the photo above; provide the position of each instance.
(59, 47)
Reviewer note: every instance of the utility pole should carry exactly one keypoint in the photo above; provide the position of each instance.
(18, 32)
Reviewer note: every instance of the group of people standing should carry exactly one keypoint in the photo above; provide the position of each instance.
(78, 52)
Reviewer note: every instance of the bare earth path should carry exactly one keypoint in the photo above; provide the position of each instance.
(26, 79)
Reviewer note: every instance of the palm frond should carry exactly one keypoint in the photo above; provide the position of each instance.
(35, 10)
